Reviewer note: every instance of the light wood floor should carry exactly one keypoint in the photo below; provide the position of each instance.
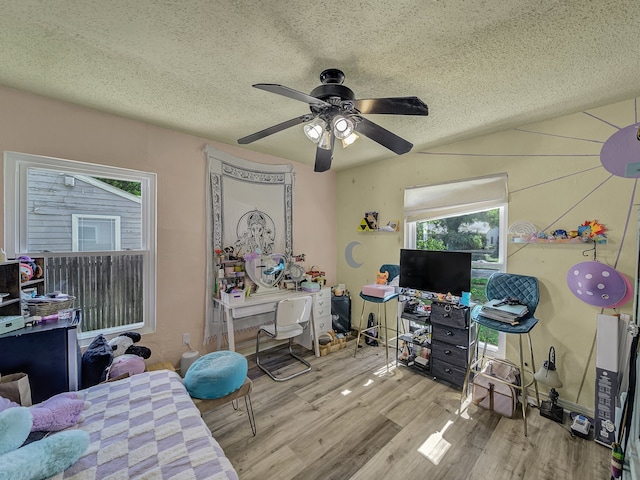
(346, 419)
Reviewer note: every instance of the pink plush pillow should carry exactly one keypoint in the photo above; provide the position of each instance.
(126, 363)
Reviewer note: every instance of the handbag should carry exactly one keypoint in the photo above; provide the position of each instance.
(492, 394)
(16, 388)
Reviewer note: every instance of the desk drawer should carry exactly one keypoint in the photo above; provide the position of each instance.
(454, 336)
(322, 294)
(322, 323)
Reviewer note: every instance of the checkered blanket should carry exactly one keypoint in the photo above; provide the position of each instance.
(147, 427)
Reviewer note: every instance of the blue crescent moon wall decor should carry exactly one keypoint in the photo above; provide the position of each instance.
(348, 255)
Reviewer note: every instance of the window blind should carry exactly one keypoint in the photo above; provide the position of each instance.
(443, 200)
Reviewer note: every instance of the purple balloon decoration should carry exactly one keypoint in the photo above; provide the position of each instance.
(620, 153)
(597, 284)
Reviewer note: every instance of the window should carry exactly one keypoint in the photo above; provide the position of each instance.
(95, 233)
(95, 227)
(468, 216)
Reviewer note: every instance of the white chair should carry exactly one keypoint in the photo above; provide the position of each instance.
(291, 318)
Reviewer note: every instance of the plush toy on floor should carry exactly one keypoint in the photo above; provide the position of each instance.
(37, 460)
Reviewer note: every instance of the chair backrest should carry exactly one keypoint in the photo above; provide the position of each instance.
(394, 270)
(522, 287)
(292, 311)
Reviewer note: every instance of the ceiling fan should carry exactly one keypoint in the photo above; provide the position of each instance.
(336, 113)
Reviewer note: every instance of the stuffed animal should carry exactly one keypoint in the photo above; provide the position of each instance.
(124, 343)
(126, 364)
(54, 414)
(42, 458)
(381, 278)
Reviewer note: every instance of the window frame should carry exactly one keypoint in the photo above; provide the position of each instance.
(16, 166)
(470, 207)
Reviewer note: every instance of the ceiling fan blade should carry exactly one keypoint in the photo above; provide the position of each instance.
(383, 136)
(392, 106)
(275, 129)
(324, 157)
(291, 93)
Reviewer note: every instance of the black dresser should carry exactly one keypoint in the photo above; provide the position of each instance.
(452, 340)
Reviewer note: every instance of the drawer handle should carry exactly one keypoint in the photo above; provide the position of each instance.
(447, 352)
(448, 370)
(447, 309)
(449, 333)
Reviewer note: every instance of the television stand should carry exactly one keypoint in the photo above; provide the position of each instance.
(439, 344)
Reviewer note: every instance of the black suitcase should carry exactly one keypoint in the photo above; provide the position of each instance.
(341, 313)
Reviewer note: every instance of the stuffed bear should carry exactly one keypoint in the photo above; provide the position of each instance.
(40, 459)
(54, 414)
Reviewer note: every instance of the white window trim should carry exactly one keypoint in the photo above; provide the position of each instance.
(76, 217)
(493, 196)
(16, 166)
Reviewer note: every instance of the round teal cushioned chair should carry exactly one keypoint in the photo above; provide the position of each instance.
(216, 374)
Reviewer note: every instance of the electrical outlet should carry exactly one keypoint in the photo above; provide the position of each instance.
(186, 338)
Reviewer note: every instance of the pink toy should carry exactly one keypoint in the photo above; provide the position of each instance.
(54, 414)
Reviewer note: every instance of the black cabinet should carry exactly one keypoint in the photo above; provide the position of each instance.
(49, 353)
(438, 344)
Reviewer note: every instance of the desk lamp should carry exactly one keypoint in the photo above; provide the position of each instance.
(548, 375)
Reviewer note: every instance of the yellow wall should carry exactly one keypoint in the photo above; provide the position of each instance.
(40, 126)
(533, 162)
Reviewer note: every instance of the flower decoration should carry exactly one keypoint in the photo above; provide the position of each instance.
(591, 228)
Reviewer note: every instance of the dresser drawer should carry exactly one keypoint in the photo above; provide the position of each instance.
(455, 355)
(454, 336)
(322, 294)
(321, 311)
(452, 374)
(322, 323)
(451, 315)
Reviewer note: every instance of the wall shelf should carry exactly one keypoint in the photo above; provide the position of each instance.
(577, 241)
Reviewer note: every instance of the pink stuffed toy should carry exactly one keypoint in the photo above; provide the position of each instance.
(54, 414)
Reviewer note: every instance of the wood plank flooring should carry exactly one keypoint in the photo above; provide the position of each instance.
(349, 419)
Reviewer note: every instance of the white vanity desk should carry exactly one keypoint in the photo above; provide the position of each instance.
(320, 320)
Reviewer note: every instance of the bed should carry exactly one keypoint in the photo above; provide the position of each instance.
(147, 426)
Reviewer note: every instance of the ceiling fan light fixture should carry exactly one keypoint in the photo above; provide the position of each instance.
(314, 130)
(325, 140)
(342, 126)
(349, 140)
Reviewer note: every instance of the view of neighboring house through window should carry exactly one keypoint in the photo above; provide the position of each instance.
(95, 227)
(466, 216)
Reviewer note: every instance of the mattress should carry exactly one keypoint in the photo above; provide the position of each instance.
(146, 426)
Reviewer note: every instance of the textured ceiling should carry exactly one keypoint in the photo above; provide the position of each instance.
(481, 66)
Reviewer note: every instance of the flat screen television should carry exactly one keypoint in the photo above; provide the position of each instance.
(435, 271)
